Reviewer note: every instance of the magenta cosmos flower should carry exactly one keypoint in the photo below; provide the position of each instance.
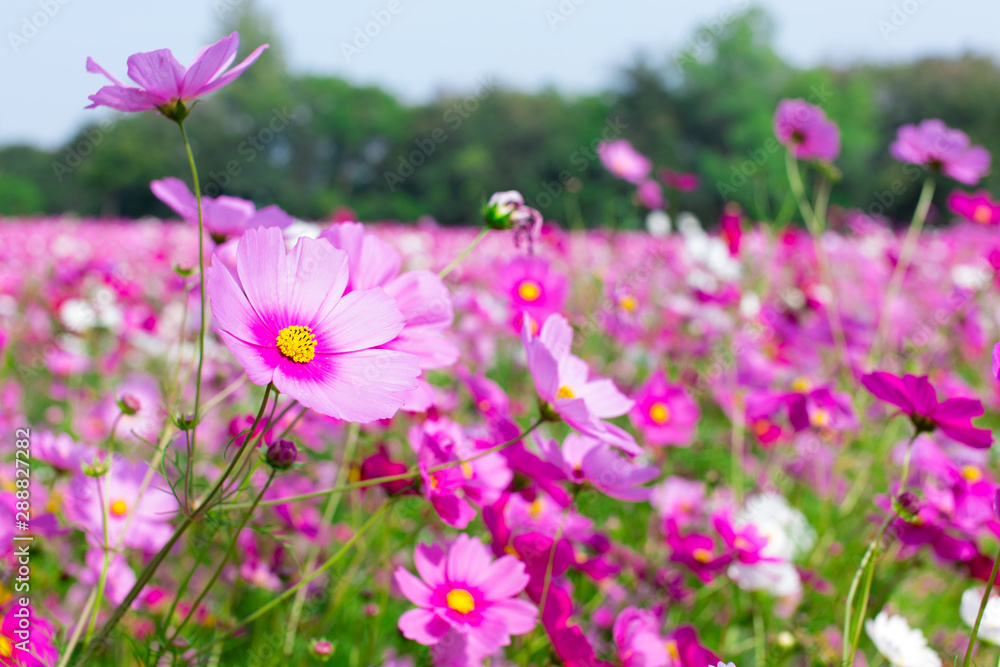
(563, 384)
(533, 288)
(622, 160)
(806, 131)
(934, 144)
(288, 322)
(665, 413)
(917, 399)
(464, 590)
(979, 207)
(223, 217)
(165, 84)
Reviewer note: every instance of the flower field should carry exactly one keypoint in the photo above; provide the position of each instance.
(245, 439)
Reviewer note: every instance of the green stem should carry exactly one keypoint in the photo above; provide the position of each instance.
(201, 287)
(905, 256)
(982, 609)
(906, 461)
(225, 557)
(759, 635)
(104, 563)
(304, 581)
(848, 647)
(458, 260)
(328, 513)
(154, 564)
(412, 474)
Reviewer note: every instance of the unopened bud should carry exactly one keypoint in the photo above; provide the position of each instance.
(907, 505)
(322, 649)
(281, 454)
(129, 404)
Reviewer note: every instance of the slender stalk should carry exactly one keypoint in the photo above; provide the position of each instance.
(154, 564)
(906, 461)
(104, 563)
(328, 513)
(905, 256)
(78, 630)
(738, 443)
(849, 647)
(458, 260)
(552, 557)
(304, 581)
(375, 481)
(225, 557)
(982, 609)
(759, 635)
(815, 219)
(201, 288)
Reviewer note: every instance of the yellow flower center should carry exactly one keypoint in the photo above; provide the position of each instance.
(671, 647)
(659, 413)
(702, 555)
(820, 417)
(119, 508)
(466, 470)
(484, 405)
(460, 600)
(972, 473)
(982, 214)
(6, 650)
(628, 302)
(529, 290)
(297, 343)
(742, 543)
(511, 551)
(802, 385)
(535, 509)
(565, 392)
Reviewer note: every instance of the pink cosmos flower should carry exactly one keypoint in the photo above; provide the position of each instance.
(148, 529)
(39, 637)
(677, 180)
(805, 129)
(637, 635)
(289, 322)
(679, 500)
(165, 84)
(583, 459)
(650, 194)
(731, 227)
(223, 217)
(533, 287)
(917, 399)
(934, 144)
(464, 590)
(980, 207)
(622, 160)
(561, 379)
(422, 297)
(665, 413)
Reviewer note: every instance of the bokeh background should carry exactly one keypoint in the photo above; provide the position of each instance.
(520, 91)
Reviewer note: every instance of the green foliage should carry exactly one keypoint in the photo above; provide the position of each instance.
(313, 144)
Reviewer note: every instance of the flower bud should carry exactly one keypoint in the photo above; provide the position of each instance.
(498, 212)
(129, 404)
(322, 649)
(281, 454)
(907, 505)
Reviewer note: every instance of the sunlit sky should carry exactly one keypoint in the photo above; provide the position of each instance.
(432, 45)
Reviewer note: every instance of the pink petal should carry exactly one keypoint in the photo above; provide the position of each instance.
(423, 626)
(468, 561)
(557, 335)
(316, 280)
(996, 361)
(604, 399)
(415, 590)
(262, 267)
(210, 62)
(422, 297)
(519, 616)
(175, 193)
(258, 362)
(125, 99)
(231, 75)
(232, 310)
(362, 319)
(429, 560)
(889, 388)
(94, 68)
(158, 72)
(505, 578)
(357, 386)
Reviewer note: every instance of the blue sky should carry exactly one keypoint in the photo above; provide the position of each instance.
(428, 46)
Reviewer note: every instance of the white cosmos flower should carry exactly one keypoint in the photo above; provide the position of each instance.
(989, 627)
(900, 644)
